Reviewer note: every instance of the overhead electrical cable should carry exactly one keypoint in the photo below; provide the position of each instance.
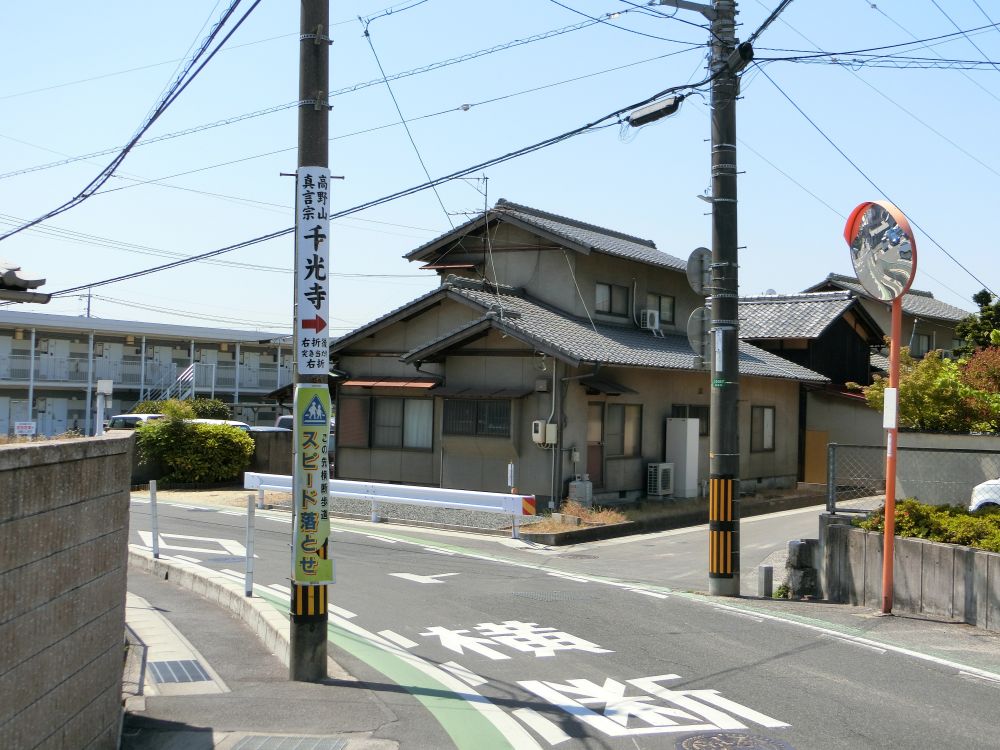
(608, 17)
(907, 31)
(136, 182)
(409, 134)
(967, 37)
(872, 182)
(157, 139)
(650, 9)
(600, 122)
(769, 20)
(183, 80)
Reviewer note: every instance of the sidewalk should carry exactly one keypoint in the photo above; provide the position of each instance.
(209, 682)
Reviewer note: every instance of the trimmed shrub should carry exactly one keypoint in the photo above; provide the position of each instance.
(201, 408)
(196, 453)
(951, 524)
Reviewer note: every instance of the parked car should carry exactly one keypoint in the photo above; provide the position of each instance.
(285, 421)
(232, 423)
(130, 421)
(986, 495)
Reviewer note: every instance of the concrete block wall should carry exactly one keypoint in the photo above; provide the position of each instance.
(930, 578)
(63, 552)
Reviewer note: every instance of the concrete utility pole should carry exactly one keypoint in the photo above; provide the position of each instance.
(307, 648)
(724, 437)
(727, 59)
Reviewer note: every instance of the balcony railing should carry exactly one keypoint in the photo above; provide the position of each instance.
(265, 377)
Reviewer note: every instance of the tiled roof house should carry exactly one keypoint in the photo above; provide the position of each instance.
(539, 321)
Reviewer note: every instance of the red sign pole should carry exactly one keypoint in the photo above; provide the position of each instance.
(891, 449)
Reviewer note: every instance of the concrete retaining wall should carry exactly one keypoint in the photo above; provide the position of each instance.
(941, 580)
(63, 541)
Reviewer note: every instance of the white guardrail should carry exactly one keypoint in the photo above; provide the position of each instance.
(515, 506)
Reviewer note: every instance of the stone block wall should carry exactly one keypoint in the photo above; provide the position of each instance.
(63, 552)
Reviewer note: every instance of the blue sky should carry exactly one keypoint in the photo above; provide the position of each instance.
(82, 77)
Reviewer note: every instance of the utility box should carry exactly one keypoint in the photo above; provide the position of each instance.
(581, 490)
(544, 433)
(681, 449)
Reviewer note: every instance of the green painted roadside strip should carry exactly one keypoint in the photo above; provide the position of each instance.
(460, 712)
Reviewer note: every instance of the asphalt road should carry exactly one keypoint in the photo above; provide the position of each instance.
(600, 646)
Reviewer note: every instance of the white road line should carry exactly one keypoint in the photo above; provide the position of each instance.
(567, 576)
(549, 731)
(232, 512)
(188, 559)
(282, 589)
(644, 592)
(876, 649)
(279, 519)
(465, 675)
(980, 678)
(423, 579)
(235, 575)
(439, 551)
(140, 501)
(399, 640)
(739, 613)
(334, 609)
(381, 539)
(185, 507)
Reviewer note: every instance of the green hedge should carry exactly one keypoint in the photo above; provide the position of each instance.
(951, 524)
(202, 408)
(202, 453)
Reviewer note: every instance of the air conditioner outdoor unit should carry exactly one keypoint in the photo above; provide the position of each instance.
(660, 479)
(649, 320)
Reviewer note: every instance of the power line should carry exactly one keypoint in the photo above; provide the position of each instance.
(967, 37)
(181, 82)
(870, 181)
(769, 20)
(929, 47)
(607, 17)
(399, 111)
(464, 107)
(157, 139)
(600, 122)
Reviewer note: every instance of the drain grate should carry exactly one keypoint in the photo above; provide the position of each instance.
(274, 742)
(181, 670)
(731, 741)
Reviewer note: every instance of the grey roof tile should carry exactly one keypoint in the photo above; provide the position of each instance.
(624, 346)
(918, 303)
(804, 316)
(589, 236)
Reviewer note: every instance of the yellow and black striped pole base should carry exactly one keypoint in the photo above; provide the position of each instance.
(723, 528)
(308, 601)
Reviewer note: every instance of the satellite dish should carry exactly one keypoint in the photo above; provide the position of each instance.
(883, 250)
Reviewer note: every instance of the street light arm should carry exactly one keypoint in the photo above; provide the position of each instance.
(706, 10)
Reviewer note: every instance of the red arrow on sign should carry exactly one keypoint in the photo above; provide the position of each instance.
(317, 324)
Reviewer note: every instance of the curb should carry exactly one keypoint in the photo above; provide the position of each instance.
(683, 513)
(269, 625)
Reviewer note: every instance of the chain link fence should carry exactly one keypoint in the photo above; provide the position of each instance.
(936, 476)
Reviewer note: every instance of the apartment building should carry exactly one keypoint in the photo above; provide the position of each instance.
(50, 366)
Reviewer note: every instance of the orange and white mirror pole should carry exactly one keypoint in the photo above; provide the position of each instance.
(890, 420)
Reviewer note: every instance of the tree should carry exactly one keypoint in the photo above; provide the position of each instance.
(982, 369)
(980, 329)
(934, 396)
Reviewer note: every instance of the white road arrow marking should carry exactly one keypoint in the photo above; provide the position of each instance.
(423, 579)
(231, 546)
